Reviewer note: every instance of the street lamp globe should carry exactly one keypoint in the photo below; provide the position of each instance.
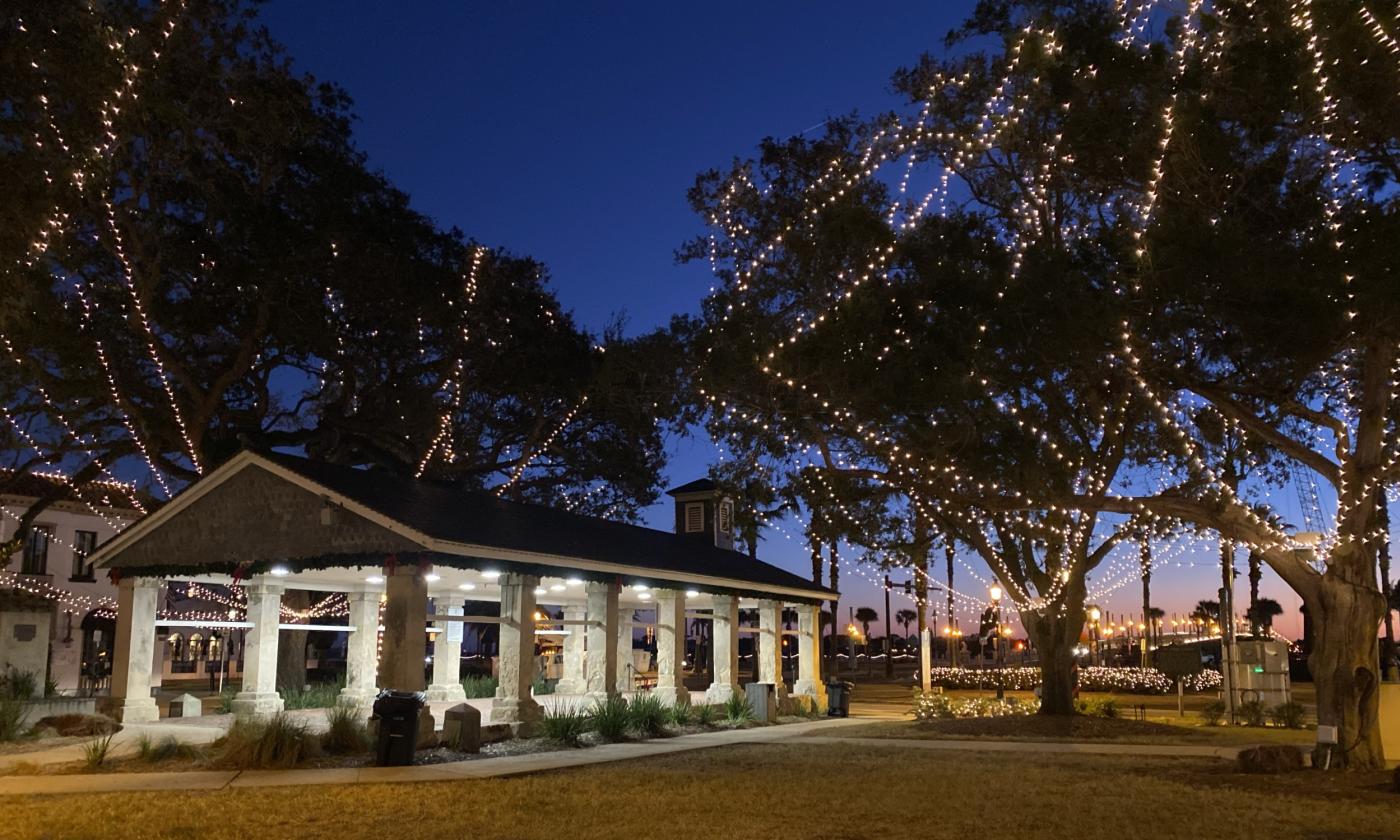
(995, 592)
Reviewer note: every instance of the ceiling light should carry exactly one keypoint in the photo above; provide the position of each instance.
(645, 596)
(279, 571)
(574, 581)
(374, 579)
(432, 577)
(692, 593)
(558, 587)
(491, 575)
(467, 586)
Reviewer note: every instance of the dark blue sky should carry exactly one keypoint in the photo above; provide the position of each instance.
(571, 131)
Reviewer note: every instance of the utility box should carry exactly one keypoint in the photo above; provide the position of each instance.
(1260, 672)
(763, 701)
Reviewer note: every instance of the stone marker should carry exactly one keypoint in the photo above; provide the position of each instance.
(186, 706)
(461, 728)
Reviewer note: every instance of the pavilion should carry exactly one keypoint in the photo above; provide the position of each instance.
(394, 546)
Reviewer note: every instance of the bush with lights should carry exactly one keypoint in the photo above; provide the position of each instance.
(1096, 678)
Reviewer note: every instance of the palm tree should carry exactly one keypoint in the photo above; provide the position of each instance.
(905, 618)
(1154, 617)
(1263, 612)
(865, 615)
(1206, 612)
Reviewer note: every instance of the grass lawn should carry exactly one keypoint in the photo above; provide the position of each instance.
(1079, 728)
(789, 789)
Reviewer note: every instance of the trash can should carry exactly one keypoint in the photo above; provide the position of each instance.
(396, 714)
(763, 701)
(838, 698)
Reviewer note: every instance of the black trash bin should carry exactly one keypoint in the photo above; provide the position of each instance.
(838, 698)
(397, 715)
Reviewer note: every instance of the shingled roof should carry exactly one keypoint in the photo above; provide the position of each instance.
(467, 523)
(482, 518)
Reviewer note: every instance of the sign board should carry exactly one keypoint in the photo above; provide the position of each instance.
(1177, 661)
(454, 631)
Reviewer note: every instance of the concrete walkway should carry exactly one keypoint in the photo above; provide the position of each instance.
(474, 769)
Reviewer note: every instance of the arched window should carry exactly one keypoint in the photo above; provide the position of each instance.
(176, 642)
(215, 647)
(195, 648)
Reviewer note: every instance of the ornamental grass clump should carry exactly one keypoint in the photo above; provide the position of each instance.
(737, 710)
(316, 696)
(278, 742)
(609, 718)
(11, 713)
(347, 731)
(95, 751)
(152, 751)
(705, 715)
(647, 715)
(1213, 713)
(476, 686)
(680, 714)
(565, 725)
(1252, 712)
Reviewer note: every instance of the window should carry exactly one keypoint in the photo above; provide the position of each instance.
(726, 513)
(36, 551)
(694, 517)
(83, 544)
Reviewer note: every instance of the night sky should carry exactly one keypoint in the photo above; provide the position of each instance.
(570, 132)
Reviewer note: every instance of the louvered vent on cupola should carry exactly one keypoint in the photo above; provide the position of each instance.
(704, 513)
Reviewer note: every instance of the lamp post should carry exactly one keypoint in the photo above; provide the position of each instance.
(995, 592)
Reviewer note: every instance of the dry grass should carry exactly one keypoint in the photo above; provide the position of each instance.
(1079, 728)
(796, 789)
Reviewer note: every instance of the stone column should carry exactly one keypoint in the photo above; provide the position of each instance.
(361, 651)
(135, 650)
(601, 656)
(625, 669)
(770, 645)
(725, 638)
(809, 654)
(573, 681)
(259, 697)
(405, 628)
(447, 652)
(513, 703)
(670, 647)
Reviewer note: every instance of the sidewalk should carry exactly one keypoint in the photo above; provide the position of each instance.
(476, 769)
(123, 743)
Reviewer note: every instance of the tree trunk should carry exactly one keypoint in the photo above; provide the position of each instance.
(1256, 571)
(1054, 638)
(291, 646)
(1344, 664)
(1146, 562)
(952, 640)
(834, 572)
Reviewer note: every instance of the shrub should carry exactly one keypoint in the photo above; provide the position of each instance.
(679, 714)
(541, 686)
(95, 751)
(1094, 678)
(1105, 707)
(347, 731)
(317, 696)
(225, 706)
(564, 724)
(609, 718)
(1271, 758)
(936, 706)
(1252, 712)
(737, 710)
(277, 742)
(647, 715)
(931, 706)
(11, 712)
(477, 686)
(50, 687)
(1288, 714)
(705, 715)
(1213, 713)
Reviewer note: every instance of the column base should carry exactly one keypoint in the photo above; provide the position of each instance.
(671, 695)
(523, 713)
(254, 704)
(599, 696)
(446, 693)
(137, 710)
(812, 689)
(571, 686)
(719, 693)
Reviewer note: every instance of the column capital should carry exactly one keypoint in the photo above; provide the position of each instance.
(263, 585)
(449, 599)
